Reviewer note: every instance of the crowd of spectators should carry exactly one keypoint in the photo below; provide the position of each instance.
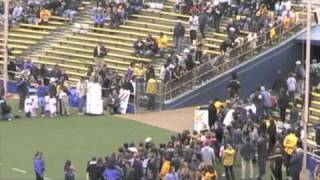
(40, 12)
(52, 86)
(115, 11)
(244, 134)
(260, 21)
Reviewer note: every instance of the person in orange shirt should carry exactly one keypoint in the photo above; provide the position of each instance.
(45, 15)
(165, 168)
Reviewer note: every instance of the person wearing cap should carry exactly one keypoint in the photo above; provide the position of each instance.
(300, 74)
(178, 36)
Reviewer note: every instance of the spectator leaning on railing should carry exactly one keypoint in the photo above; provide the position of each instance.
(45, 15)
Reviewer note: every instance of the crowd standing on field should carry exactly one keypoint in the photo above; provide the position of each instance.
(241, 135)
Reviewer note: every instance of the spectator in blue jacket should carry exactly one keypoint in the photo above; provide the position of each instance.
(265, 100)
(99, 17)
(41, 93)
(112, 173)
(178, 35)
(39, 166)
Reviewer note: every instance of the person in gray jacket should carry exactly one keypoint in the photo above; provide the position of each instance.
(247, 153)
(296, 164)
(208, 154)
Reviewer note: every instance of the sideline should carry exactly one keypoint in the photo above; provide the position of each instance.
(19, 170)
(24, 172)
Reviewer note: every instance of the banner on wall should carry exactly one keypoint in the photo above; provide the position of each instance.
(200, 120)
(124, 96)
(94, 99)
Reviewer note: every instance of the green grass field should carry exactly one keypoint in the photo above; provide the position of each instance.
(77, 138)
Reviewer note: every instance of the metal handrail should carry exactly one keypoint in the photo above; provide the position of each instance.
(243, 51)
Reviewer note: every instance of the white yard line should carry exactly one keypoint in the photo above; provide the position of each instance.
(19, 170)
(24, 172)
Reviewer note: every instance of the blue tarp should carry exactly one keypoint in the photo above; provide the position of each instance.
(315, 36)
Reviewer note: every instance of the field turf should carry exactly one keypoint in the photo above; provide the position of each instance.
(77, 138)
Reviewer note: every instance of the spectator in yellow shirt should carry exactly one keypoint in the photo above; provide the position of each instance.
(45, 15)
(139, 71)
(210, 173)
(151, 92)
(165, 168)
(162, 42)
(289, 144)
(228, 158)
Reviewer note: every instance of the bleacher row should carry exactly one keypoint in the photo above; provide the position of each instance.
(74, 50)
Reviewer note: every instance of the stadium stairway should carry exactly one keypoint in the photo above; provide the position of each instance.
(314, 111)
(26, 39)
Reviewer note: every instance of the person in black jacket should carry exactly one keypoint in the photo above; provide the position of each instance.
(283, 103)
(92, 169)
(22, 90)
(217, 13)
(276, 161)
(234, 86)
(43, 74)
(279, 83)
(272, 132)
(138, 168)
(99, 54)
(139, 47)
(12, 68)
(178, 35)
(212, 110)
(5, 110)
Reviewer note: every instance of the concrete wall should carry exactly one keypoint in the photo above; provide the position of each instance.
(261, 70)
